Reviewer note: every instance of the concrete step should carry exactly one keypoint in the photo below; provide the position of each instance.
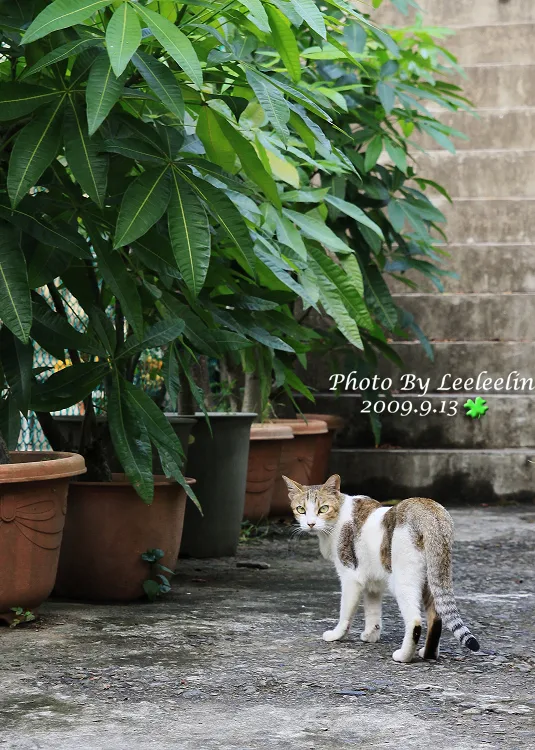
(467, 13)
(491, 129)
(449, 476)
(490, 220)
(509, 43)
(462, 359)
(435, 420)
(499, 86)
(481, 269)
(472, 174)
(473, 317)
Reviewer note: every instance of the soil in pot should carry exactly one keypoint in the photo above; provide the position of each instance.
(108, 528)
(33, 502)
(264, 467)
(297, 459)
(218, 460)
(324, 443)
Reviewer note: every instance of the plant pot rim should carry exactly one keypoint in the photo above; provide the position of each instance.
(119, 480)
(271, 431)
(233, 414)
(300, 427)
(32, 466)
(334, 422)
(176, 418)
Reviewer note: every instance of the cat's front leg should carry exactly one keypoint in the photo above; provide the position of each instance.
(351, 592)
(372, 614)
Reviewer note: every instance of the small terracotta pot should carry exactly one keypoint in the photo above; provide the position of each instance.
(297, 459)
(263, 469)
(33, 502)
(108, 528)
(324, 445)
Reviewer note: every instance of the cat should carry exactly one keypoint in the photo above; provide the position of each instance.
(406, 548)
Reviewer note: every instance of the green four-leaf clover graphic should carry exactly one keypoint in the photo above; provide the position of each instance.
(476, 409)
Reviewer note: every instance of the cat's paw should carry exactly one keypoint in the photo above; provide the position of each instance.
(333, 635)
(371, 636)
(421, 653)
(402, 657)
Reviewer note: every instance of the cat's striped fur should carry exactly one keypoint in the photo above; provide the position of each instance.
(406, 548)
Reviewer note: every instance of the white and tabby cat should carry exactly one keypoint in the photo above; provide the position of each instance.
(406, 548)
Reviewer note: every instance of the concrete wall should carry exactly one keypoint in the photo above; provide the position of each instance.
(486, 319)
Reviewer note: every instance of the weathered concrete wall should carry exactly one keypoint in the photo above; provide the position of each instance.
(485, 320)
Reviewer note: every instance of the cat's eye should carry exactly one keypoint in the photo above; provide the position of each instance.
(300, 509)
(323, 509)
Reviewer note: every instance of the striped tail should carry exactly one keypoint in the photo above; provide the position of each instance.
(437, 545)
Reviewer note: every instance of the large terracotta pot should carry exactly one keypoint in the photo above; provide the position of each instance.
(33, 501)
(263, 469)
(297, 459)
(108, 528)
(320, 467)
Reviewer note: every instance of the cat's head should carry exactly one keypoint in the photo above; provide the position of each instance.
(315, 508)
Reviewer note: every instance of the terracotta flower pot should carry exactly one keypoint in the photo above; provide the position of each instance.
(108, 528)
(297, 459)
(320, 468)
(263, 469)
(33, 502)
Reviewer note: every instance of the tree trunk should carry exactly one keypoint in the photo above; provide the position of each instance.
(252, 395)
(4, 453)
(229, 376)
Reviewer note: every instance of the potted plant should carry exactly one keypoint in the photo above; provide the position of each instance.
(33, 485)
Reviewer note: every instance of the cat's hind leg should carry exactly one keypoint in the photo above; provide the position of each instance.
(372, 616)
(351, 592)
(434, 627)
(408, 577)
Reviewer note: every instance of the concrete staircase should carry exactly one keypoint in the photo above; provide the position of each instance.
(485, 320)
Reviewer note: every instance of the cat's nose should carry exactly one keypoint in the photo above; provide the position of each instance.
(311, 524)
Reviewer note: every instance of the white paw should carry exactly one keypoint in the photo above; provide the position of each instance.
(371, 636)
(401, 656)
(333, 635)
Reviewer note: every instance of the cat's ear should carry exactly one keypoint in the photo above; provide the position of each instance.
(332, 484)
(293, 486)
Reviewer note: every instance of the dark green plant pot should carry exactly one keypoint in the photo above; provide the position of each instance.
(218, 461)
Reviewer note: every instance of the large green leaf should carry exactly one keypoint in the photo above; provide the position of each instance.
(155, 251)
(88, 165)
(258, 13)
(355, 212)
(59, 235)
(15, 302)
(251, 164)
(115, 273)
(189, 231)
(18, 100)
(46, 264)
(134, 149)
(130, 440)
(284, 41)
(218, 149)
(123, 37)
(54, 333)
(103, 91)
(379, 298)
(17, 363)
(162, 81)
(312, 15)
(159, 334)
(68, 386)
(314, 228)
(282, 271)
(36, 147)
(229, 218)
(60, 15)
(62, 53)
(272, 101)
(144, 202)
(174, 42)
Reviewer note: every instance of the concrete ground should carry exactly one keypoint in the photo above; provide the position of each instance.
(233, 659)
